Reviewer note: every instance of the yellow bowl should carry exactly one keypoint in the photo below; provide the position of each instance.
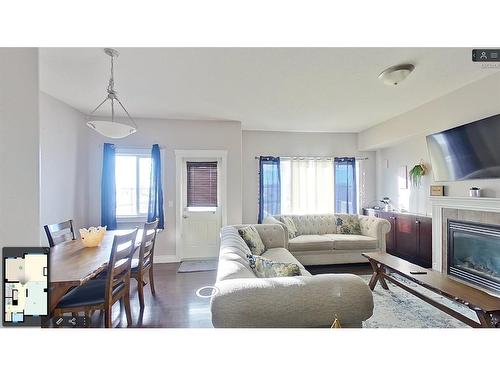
(93, 236)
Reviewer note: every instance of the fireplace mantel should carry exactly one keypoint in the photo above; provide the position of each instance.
(464, 203)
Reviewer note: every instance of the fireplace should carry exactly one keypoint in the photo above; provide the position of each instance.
(474, 253)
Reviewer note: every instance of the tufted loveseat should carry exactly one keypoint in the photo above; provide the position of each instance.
(244, 300)
(319, 241)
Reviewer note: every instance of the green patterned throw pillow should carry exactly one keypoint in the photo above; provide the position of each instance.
(348, 225)
(290, 226)
(252, 239)
(263, 267)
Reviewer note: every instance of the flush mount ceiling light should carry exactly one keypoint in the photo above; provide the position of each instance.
(112, 129)
(395, 74)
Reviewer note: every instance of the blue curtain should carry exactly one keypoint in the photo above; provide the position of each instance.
(108, 187)
(269, 187)
(345, 185)
(155, 207)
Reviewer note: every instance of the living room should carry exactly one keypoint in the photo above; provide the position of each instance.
(173, 186)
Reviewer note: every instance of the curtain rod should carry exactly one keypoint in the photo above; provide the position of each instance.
(133, 147)
(315, 157)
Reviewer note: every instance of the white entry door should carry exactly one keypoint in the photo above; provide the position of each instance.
(201, 207)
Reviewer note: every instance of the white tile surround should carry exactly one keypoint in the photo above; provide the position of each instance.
(464, 203)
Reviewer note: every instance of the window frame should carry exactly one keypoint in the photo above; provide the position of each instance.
(139, 153)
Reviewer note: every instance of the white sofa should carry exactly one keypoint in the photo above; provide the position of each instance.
(318, 241)
(244, 300)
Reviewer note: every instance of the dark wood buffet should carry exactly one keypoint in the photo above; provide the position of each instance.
(410, 237)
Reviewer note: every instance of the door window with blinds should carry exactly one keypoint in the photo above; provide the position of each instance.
(201, 186)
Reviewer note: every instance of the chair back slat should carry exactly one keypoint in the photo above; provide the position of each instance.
(147, 248)
(120, 260)
(60, 232)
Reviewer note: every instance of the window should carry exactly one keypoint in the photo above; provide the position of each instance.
(306, 185)
(133, 174)
(201, 185)
(345, 185)
(318, 185)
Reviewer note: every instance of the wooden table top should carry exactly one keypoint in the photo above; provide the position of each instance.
(438, 282)
(72, 263)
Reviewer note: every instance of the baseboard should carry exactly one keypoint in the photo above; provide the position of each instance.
(166, 259)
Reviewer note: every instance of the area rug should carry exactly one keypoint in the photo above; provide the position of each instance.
(396, 308)
(197, 266)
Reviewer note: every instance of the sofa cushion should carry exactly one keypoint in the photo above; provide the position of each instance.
(252, 239)
(312, 242)
(290, 226)
(348, 224)
(352, 242)
(264, 267)
(279, 254)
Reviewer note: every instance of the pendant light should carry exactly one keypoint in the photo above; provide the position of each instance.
(112, 129)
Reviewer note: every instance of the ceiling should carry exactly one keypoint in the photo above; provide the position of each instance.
(292, 89)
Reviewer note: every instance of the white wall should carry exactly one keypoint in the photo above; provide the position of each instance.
(474, 101)
(405, 135)
(257, 143)
(173, 135)
(63, 164)
(19, 148)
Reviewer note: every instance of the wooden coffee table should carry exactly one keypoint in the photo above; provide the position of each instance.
(486, 306)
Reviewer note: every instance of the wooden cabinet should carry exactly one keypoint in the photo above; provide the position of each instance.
(410, 236)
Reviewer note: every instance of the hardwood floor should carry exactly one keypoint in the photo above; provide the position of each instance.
(176, 304)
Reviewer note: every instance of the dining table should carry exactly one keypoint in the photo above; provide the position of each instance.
(72, 264)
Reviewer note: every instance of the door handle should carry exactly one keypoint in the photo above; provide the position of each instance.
(185, 216)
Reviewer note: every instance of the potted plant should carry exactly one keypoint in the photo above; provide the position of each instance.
(416, 174)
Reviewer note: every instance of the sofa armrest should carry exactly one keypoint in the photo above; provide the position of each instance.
(375, 227)
(272, 235)
(300, 301)
(273, 220)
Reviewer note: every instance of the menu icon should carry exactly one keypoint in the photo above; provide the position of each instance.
(485, 55)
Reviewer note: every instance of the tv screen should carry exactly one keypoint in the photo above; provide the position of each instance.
(470, 151)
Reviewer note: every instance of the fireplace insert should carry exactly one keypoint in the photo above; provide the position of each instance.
(474, 253)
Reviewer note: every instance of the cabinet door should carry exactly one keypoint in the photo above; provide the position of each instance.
(406, 237)
(424, 243)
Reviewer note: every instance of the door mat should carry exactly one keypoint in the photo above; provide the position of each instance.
(197, 266)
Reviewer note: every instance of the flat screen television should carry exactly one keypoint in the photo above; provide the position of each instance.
(470, 151)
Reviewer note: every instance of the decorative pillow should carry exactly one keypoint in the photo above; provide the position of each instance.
(252, 239)
(290, 226)
(263, 267)
(348, 225)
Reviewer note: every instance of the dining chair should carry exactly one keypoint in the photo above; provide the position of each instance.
(145, 261)
(61, 232)
(102, 294)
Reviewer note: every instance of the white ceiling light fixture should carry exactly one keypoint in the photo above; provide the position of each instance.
(393, 75)
(112, 129)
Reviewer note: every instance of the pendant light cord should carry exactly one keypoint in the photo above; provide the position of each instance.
(111, 91)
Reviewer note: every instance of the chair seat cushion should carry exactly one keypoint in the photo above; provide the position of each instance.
(90, 293)
(352, 242)
(310, 242)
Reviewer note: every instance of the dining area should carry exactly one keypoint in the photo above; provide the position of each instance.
(90, 274)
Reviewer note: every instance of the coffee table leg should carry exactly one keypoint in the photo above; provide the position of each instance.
(484, 319)
(378, 275)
